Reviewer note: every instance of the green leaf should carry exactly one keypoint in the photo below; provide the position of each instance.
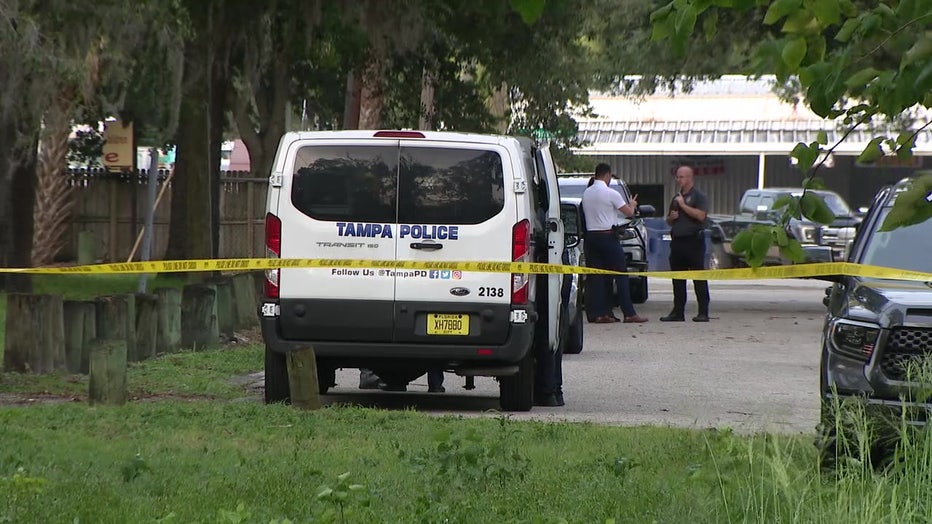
(530, 10)
(872, 152)
(815, 208)
(814, 182)
(861, 78)
(779, 9)
(822, 137)
(847, 29)
(919, 52)
(760, 244)
(800, 22)
(781, 238)
(912, 206)
(783, 201)
(710, 25)
(793, 52)
(793, 251)
(805, 156)
(686, 21)
(662, 27)
(742, 242)
(827, 11)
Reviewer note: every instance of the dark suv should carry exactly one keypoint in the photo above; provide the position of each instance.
(877, 331)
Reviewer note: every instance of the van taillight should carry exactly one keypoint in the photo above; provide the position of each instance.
(273, 249)
(520, 252)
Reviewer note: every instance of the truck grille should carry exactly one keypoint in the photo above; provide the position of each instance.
(905, 345)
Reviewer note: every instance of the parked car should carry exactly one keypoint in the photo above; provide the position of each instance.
(423, 196)
(632, 232)
(820, 243)
(572, 321)
(876, 331)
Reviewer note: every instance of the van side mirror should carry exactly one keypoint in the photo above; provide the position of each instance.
(646, 210)
(572, 227)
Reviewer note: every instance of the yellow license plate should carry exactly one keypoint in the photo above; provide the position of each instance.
(447, 324)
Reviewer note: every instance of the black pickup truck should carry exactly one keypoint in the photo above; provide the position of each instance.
(821, 243)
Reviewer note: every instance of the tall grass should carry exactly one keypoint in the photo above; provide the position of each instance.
(176, 455)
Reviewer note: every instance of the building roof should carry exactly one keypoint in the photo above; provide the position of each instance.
(731, 115)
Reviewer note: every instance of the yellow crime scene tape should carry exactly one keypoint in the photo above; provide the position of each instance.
(252, 264)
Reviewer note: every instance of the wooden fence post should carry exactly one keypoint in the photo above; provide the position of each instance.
(147, 325)
(244, 301)
(80, 317)
(199, 327)
(107, 381)
(116, 320)
(225, 321)
(302, 379)
(35, 333)
(168, 337)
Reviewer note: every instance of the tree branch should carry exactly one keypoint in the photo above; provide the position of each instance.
(891, 35)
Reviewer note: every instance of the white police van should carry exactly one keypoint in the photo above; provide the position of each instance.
(420, 196)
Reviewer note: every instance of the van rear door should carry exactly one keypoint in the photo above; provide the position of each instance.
(455, 202)
(339, 202)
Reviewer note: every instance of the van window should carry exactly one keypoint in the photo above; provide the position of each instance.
(346, 183)
(449, 186)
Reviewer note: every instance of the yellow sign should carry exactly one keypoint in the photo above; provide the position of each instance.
(253, 264)
(119, 146)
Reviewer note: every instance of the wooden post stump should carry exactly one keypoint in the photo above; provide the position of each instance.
(199, 328)
(225, 322)
(168, 336)
(35, 333)
(116, 320)
(107, 381)
(147, 325)
(80, 330)
(245, 303)
(302, 379)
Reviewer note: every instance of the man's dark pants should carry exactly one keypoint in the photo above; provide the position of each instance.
(603, 251)
(689, 253)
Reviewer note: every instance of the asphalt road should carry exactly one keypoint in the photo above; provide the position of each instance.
(753, 368)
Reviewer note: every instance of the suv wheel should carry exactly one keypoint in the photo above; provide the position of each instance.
(516, 392)
(277, 388)
(574, 337)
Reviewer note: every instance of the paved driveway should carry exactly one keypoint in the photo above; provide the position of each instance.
(753, 368)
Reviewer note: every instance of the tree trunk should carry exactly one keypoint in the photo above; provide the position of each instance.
(224, 286)
(351, 101)
(107, 381)
(372, 98)
(80, 330)
(426, 121)
(35, 334)
(17, 195)
(52, 213)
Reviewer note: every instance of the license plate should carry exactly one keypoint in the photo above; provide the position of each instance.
(447, 324)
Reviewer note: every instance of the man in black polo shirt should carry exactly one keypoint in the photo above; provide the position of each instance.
(687, 248)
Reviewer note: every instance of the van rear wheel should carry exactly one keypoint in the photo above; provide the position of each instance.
(516, 392)
(277, 388)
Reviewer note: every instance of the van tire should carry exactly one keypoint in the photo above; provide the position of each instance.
(516, 392)
(326, 378)
(639, 290)
(277, 387)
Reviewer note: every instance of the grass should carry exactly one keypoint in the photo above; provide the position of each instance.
(194, 447)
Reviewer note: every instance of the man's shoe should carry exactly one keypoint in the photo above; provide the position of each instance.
(701, 317)
(394, 387)
(436, 389)
(614, 318)
(673, 317)
(636, 319)
(604, 319)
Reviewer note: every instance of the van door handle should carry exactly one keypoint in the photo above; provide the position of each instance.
(424, 245)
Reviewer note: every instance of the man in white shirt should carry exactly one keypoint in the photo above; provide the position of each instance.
(601, 205)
